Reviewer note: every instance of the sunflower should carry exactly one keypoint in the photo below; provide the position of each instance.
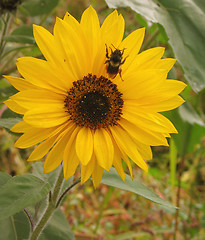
(79, 112)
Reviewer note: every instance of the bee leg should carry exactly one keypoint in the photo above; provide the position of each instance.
(120, 73)
(123, 50)
(124, 60)
(107, 56)
(114, 46)
(111, 49)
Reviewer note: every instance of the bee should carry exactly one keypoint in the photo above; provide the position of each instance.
(114, 61)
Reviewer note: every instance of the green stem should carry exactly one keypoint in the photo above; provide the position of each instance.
(64, 193)
(58, 186)
(180, 172)
(50, 208)
(30, 218)
(5, 27)
(104, 204)
(173, 163)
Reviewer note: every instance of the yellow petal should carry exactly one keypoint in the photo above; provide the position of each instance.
(117, 162)
(21, 127)
(44, 117)
(97, 175)
(42, 149)
(173, 86)
(108, 22)
(55, 156)
(69, 19)
(84, 145)
(167, 64)
(132, 44)
(112, 31)
(144, 150)
(33, 137)
(73, 44)
(70, 159)
(147, 59)
(167, 135)
(103, 147)
(153, 122)
(20, 83)
(91, 26)
(164, 105)
(168, 90)
(143, 121)
(36, 135)
(41, 74)
(143, 135)
(129, 147)
(127, 161)
(47, 44)
(143, 83)
(87, 170)
(15, 107)
(165, 122)
(37, 98)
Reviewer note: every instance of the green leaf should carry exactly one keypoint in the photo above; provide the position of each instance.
(20, 192)
(196, 135)
(6, 92)
(39, 7)
(189, 135)
(184, 23)
(162, 37)
(16, 227)
(49, 177)
(112, 178)
(188, 114)
(9, 122)
(22, 34)
(57, 228)
(9, 119)
(10, 49)
(141, 20)
(184, 129)
(4, 83)
(4, 178)
(10, 114)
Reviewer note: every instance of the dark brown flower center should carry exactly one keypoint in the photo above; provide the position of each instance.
(94, 102)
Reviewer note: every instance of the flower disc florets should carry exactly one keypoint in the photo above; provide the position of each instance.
(94, 102)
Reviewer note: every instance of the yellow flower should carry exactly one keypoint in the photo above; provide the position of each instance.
(81, 109)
